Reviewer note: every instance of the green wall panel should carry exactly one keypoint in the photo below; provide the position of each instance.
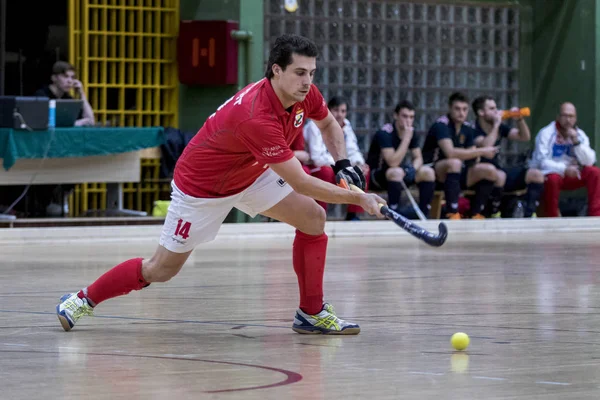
(198, 102)
(559, 41)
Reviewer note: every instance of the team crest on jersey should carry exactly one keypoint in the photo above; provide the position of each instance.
(389, 128)
(299, 118)
(462, 138)
(443, 119)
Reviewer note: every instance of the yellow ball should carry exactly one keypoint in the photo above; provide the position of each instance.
(460, 341)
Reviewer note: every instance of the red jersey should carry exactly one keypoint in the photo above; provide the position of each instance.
(237, 142)
(298, 143)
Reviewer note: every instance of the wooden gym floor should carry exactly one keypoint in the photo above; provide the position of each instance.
(221, 329)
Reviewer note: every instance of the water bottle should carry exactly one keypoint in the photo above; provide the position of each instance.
(519, 210)
(522, 112)
(51, 114)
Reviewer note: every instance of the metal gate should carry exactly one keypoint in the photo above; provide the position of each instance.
(124, 52)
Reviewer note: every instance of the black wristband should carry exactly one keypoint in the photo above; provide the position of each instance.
(341, 164)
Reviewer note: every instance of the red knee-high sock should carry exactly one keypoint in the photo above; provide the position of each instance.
(309, 264)
(118, 281)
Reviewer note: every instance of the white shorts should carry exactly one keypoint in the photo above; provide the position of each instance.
(191, 220)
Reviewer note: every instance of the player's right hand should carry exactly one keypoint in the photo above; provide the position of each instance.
(572, 133)
(370, 202)
(408, 130)
(77, 84)
(498, 118)
(489, 152)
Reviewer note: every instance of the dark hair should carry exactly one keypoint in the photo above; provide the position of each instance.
(479, 103)
(404, 104)
(336, 101)
(457, 96)
(284, 47)
(60, 67)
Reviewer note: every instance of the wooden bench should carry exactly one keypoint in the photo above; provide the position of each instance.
(438, 198)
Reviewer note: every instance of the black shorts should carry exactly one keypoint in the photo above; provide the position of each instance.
(515, 178)
(380, 182)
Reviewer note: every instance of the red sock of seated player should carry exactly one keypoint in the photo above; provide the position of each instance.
(118, 281)
(309, 264)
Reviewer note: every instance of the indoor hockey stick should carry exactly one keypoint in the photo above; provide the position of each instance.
(413, 203)
(404, 223)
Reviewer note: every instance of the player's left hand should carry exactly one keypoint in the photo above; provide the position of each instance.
(517, 114)
(572, 171)
(352, 175)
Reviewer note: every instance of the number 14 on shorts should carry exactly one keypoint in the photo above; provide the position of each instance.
(183, 229)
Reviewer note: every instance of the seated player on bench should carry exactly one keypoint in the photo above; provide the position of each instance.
(391, 162)
(490, 131)
(450, 147)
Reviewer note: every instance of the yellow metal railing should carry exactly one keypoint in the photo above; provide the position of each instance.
(125, 55)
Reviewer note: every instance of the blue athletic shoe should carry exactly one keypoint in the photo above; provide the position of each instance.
(324, 323)
(70, 309)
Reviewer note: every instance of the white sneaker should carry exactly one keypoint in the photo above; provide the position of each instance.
(323, 323)
(71, 308)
